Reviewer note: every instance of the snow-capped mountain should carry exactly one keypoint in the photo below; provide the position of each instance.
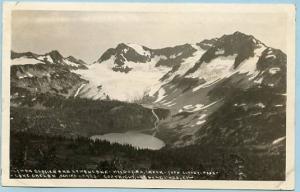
(217, 105)
(53, 57)
(194, 81)
(130, 71)
(231, 85)
(48, 73)
(236, 56)
(147, 70)
(222, 85)
(125, 55)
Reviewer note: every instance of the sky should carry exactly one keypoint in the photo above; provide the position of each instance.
(87, 35)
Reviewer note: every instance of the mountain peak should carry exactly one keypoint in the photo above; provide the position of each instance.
(238, 33)
(121, 46)
(127, 52)
(56, 54)
(26, 54)
(136, 47)
(54, 51)
(239, 36)
(237, 43)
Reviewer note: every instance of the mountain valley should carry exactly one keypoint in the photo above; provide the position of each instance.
(221, 94)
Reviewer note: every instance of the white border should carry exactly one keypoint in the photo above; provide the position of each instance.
(289, 9)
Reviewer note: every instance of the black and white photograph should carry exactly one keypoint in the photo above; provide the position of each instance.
(177, 95)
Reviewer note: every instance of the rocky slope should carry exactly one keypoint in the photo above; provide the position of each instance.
(50, 73)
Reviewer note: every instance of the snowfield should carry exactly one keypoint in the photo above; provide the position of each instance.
(218, 68)
(188, 62)
(249, 65)
(139, 49)
(117, 85)
(25, 61)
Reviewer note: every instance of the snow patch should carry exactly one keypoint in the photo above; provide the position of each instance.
(195, 46)
(24, 61)
(274, 70)
(200, 122)
(269, 51)
(172, 56)
(249, 65)
(188, 63)
(49, 59)
(252, 76)
(70, 63)
(161, 95)
(139, 49)
(188, 107)
(255, 114)
(271, 85)
(219, 68)
(278, 140)
(261, 105)
(197, 107)
(258, 81)
(204, 85)
(25, 75)
(172, 104)
(240, 105)
(202, 116)
(125, 50)
(29, 74)
(78, 90)
(169, 103)
(270, 56)
(220, 52)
